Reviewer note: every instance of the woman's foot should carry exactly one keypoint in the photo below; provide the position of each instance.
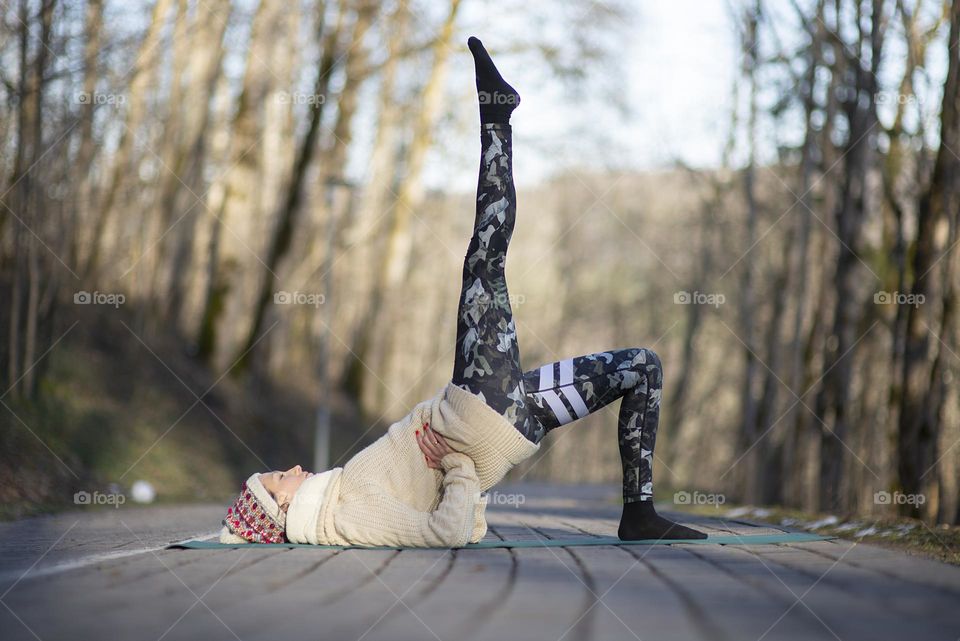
(640, 521)
(497, 98)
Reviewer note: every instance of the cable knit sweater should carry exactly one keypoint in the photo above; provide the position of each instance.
(386, 494)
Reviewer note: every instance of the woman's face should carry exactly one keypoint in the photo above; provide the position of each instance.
(283, 485)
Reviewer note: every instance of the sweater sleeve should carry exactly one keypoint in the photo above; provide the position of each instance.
(389, 521)
(479, 520)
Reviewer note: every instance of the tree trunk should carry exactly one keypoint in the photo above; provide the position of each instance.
(748, 406)
(395, 261)
(189, 153)
(142, 78)
(26, 315)
(233, 198)
(918, 429)
(794, 449)
(374, 204)
(289, 210)
(834, 401)
(82, 174)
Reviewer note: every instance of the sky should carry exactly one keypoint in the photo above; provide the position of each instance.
(672, 69)
(686, 49)
(675, 70)
(675, 66)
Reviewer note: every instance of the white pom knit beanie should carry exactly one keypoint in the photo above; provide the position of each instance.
(254, 517)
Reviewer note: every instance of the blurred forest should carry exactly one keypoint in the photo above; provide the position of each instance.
(234, 194)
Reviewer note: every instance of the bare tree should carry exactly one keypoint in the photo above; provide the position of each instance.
(233, 200)
(833, 403)
(31, 272)
(395, 260)
(287, 216)
(923, 361)
(749, 441)
(119, 167)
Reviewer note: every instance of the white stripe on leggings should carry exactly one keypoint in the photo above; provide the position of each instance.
(576, 401)
(563, 416)
(566, 371)
(546, 376)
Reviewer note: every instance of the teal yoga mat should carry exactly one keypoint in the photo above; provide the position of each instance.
(747, 539)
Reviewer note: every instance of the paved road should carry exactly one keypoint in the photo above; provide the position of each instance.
(105, 575)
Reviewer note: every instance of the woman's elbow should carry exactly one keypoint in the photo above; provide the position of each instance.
(454, 539)
(450, 537)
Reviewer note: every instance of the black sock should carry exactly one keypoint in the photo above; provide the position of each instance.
(497, 98)
(640, 521)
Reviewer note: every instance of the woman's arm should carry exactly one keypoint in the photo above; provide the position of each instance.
(385, 520)
(452, 523)
(434, 448)
(479, 520)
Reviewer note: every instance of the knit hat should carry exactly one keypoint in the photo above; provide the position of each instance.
(304, 512)
(255, 517)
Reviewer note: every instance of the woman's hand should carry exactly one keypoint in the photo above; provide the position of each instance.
(433, 446)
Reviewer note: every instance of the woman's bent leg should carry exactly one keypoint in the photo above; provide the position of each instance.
(561, 392)
(575, 387)
(487, 361)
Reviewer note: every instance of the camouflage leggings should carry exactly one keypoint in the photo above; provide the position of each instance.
(487, 361)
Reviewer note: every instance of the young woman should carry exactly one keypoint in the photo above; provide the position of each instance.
(420, 483)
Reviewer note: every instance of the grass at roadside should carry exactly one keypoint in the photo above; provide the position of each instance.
(114, 408)
(940, 542)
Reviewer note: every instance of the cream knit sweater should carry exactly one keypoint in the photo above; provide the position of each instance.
(386, 494)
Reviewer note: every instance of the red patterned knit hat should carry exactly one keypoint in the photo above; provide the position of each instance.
(255, 517)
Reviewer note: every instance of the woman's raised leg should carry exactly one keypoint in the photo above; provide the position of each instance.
(561, 392)
(487, 360)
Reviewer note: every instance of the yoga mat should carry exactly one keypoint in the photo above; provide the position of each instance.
(746, 539)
